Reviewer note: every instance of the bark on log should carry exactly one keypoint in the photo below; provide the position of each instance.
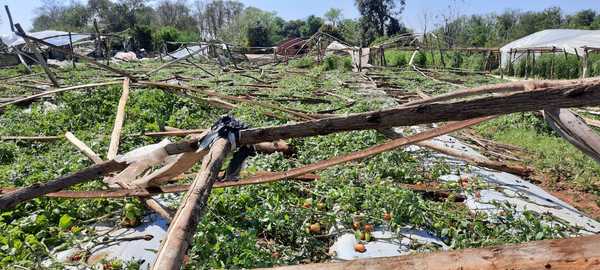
(175, 245)
(580, 253)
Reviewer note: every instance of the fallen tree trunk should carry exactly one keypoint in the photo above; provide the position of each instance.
(393, 144)
(496, 89)
(581, 253)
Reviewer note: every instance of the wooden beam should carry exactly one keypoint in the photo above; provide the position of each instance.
(581, 253)
(182, 229)
(113, 148)
(87, 151)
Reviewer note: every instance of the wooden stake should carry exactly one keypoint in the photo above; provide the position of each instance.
(119, 119)
(88, 152)
(182, 229)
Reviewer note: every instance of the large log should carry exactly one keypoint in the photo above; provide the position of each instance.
(179, 236)
(582, 253)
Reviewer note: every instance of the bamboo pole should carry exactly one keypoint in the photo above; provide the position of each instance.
(180, 233)
(113, 148)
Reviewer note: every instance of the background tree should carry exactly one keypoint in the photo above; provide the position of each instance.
(333, 16)
(312, 26)
(376, 16)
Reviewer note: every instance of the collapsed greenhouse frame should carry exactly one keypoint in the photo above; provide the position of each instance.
(576, 253)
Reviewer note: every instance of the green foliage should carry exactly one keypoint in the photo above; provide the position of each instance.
(493, 30)
(304, 62)
(558, 66)
(333, 62)
(143, 37)
(378, 17)
(550, 153)
(396, 58)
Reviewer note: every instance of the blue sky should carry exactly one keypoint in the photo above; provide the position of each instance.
(24, 10)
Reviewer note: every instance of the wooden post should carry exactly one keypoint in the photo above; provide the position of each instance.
(72, 50)
(10, 20)
(552, 63)
(119, 119)
(39, 57)
(527, 65)
(360, 59)
(584, 73)
(510, 63)
(182, 229)
(86, 150)
(533, 63)
(442, 58)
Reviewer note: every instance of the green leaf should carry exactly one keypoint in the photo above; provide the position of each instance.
(65, 222)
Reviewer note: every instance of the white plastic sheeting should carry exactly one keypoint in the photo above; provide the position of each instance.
(185, 51)
(57, 38)
(569, 40)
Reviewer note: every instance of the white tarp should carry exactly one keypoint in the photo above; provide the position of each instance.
(57, 38)
(570, 40)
